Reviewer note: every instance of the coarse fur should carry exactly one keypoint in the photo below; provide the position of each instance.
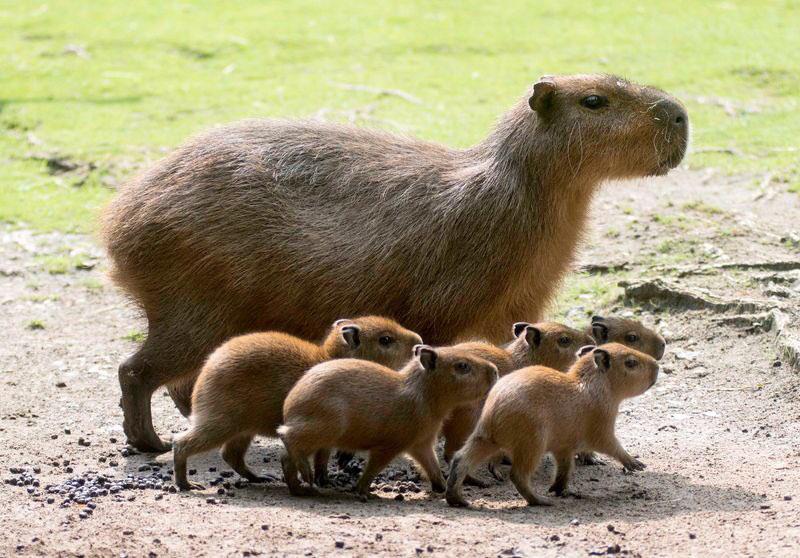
(240, 390)
(287, 225)
(548, 344)
(358, 405)
(537, 410)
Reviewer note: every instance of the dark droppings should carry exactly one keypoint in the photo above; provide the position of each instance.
(86, 491)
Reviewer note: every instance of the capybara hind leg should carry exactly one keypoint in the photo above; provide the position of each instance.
(194, 441)
(290, 476)
(234, 451)
(425, 456)
(564, 463)
(523, 464)
(321, 467)
(378, 459)
(181, 393)
(138, 379)
(457, 428)
(475, 451)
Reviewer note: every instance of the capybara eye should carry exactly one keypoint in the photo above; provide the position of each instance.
(631, 363)
(462, 367)
(564, 341)
(631, 338)
(385, 340)
(594, 102)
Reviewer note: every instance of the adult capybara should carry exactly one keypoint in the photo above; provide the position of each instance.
(289, 225)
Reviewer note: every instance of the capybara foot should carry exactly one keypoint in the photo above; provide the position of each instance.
(146, 442)
(589, 459)
(497, 473)
(190, 485)
(455, 499)
(469, 480)
(634, 465)
(535, 500)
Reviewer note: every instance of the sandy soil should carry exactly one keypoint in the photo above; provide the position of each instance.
(720, 431)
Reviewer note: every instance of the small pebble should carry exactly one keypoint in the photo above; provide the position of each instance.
(339, 544)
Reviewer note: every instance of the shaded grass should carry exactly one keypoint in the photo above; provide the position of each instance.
(118, 81)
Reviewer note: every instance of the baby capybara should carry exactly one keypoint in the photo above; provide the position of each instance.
(629, 332)
(358, 405)
(537, 410)
(286, 225)
(546, 343)
(240, 391)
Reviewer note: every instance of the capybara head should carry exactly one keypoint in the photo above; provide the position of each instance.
(628, 332)
(374, 338)
(454, 375)
(546, 344)
(628, 371)
(609, 126)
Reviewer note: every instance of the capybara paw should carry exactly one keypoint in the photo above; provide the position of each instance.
(438, 487)
(634, 465)
(149, 444)
(497, 473)
(469, 480)
(589, 459)
(540, 501)
(190, 485)
(456, 500)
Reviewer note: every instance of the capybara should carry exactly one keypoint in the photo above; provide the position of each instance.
(546, 343)
(285, 225)
(359, 405)
(629, 332)
(537, 409)
(240, 390)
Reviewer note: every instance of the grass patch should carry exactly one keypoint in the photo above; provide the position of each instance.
(34, 325)
(135, 336)
(702, 207)
(138, 78)
(92, 284)
(59, 264)
(588, 292)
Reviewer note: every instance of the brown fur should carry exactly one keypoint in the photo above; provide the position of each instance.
(287, 225)
(241, 389)
(628, 332)
(537, 410)
(356, 405)
(546, 343)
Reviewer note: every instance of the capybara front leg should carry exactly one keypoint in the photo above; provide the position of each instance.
(137, 385)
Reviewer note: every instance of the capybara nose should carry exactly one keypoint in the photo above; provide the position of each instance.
(662, 346)
(671, 113)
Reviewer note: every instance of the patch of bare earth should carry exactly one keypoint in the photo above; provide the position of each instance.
(711, 266)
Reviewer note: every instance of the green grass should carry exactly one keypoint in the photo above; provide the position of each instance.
(135, 336)
(114, 83)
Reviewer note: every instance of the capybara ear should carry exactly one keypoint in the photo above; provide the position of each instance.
(519, 327)
(337, 323)
(542, 96)
(600, 332)
(596, 319)
(427, 357)
(351, 336)
(586, 349)
(533, 335)
(602, 359)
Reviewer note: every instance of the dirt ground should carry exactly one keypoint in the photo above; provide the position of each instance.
(719, 432)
